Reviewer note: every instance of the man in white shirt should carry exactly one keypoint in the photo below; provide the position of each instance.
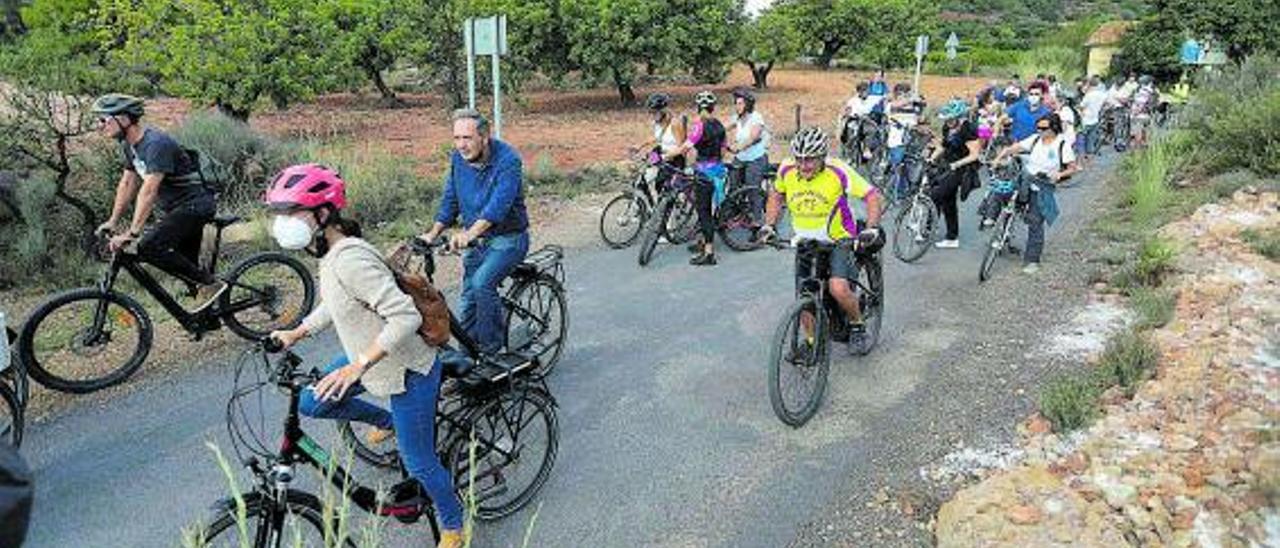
(1095, 99)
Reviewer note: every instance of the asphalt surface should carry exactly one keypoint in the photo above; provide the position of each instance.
(666, 433)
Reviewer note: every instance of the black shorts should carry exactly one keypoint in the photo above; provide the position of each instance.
(839, 264)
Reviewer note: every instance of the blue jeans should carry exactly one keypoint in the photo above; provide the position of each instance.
(485, 267)
(1092, 138)
(413, 416)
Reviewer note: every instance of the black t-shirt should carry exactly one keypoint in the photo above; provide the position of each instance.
(159, 153)
(955, 141)
(712, 141)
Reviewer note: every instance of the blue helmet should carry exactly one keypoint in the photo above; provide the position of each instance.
(954, 108)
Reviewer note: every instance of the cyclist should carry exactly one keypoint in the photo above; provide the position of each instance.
(750, 145)
(853, 133)
(1143, 105)
(903, 113)
(878, 91)
(376, 324)
(1026, 111)
(485, 187)
(960, 149)
(667, 134)
(1095, 98)
(160, 176)
(817, 191)
(704, 146)
(1049, 161)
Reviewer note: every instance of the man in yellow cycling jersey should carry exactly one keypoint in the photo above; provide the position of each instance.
(818, 193)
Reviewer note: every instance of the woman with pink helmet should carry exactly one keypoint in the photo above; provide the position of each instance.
(377, 325)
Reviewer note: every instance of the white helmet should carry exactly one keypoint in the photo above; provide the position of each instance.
(810, 142)
(704, 99)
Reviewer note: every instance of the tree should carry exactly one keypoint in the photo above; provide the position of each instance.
(373, 35)
(1242, 27)
(772, 37)
(707, 33)
(230, 53)
(1151, 47)
(890, 28)
(607, 38)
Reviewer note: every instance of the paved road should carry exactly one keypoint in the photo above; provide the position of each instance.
(667, 437)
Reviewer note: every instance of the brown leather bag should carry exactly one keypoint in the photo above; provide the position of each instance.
(430, 303)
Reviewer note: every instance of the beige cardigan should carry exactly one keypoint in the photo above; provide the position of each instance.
(360, 298)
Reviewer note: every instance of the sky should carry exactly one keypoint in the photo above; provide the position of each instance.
(754, 6)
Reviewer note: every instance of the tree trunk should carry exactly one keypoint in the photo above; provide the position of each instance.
(760, 75)
(237, 113)
(89, 218)
(375, 75)
(829, 50)
(625, 92)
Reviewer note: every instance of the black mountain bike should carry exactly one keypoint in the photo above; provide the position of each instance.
(740, 214)
(496, 430)
(90, 338)
(800, 357)
(1015, 206)
(14, 389)
(673, 217)
(537, 325)
(625, 215)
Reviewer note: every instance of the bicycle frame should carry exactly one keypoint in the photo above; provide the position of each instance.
(194, 323)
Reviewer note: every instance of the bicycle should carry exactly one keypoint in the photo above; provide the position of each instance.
(485, 424)
(674, 216)
(14, 388)
(1015, 194)
(808, 358)
(916, 224)
(1120, 130)
(623, 217)
(81, 324)
(738, 216)
(906, 176)
(536, 317)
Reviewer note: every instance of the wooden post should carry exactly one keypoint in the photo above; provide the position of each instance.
(797, 117)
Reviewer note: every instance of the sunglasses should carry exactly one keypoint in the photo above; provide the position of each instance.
(1042, 128)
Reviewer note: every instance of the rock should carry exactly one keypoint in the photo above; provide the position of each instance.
(1076, 462)
(1184, 518)
(1193, 475)
(1023, 514)
(1219, 479)
(1178, 442)
(1038, 425)
(1119, 495)
(1140, 519)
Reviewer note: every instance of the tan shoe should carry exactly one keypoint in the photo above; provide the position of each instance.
(450, 539)
(376, 436)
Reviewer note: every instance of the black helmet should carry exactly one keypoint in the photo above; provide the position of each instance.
(112, 104)
(658, 101)
(747, 97)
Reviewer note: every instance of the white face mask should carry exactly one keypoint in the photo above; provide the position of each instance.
(291, 232)
(1033, 99)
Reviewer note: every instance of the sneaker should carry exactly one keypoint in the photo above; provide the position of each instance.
(208, 295)
(947, 244)
(376, 436)
(703, 259)
(987, 223)
(1031, 268)
(857, 339)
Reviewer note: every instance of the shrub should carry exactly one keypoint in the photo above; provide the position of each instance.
(35, 254)
(249, 157)
(1129, 358)
(1264, 242)
(1155, 261)
(389, 196)
(1235, 116)
(1066, 63)
(1154, 307)
(1149, 171)
(1070, 402)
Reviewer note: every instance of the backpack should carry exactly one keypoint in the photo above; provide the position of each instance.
(435, 328)
(209, 171)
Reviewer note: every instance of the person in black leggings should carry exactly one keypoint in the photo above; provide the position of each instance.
(706, 143)
(960, 149)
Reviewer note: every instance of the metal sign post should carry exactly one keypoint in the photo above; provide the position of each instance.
(922, 47)
(486, 36)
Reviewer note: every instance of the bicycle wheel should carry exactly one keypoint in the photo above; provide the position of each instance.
(386, 455)
(11, 419)
(913, 229)
(737, 220)
(305, 520)
(85, 340)
(516, 437)
(653, 229)
(798, 365)
(870, 301)
(269, 292)
(999, 237)
(538, 318)
(682, 222)
(622, 219)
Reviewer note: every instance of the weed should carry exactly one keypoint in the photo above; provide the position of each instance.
(1130, 357)
(1155, 261)
(1070, 402)
(1154, 307)
(1264, 242)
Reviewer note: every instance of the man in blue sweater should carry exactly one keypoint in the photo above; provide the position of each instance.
(485, 188)
(1027, 111)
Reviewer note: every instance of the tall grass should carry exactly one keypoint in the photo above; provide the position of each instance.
(388, 193)
(248, 157)
(1062, 61)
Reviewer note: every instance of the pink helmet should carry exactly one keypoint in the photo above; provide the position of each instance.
(306, 186)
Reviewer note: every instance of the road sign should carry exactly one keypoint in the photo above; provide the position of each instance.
(952, 44)
(486, 36)
(922, 45)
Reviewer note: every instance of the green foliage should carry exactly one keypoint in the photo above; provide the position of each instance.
(36, 252)
(1129, 358)
(771, 38)
(1150, 47)
(1234, 116)
(1265, 242)
(1155, 261)
(1065, 62)
(232, 54)
(879, 30)
(1149, 172)
(975, 60)
(372, 35)
(249, 157)
(1154, 307)
(1241, 27)
(1070, 402)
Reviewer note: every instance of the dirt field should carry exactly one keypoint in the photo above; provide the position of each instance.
(570, 129)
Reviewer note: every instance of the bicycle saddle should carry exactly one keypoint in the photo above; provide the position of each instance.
(456, 363)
